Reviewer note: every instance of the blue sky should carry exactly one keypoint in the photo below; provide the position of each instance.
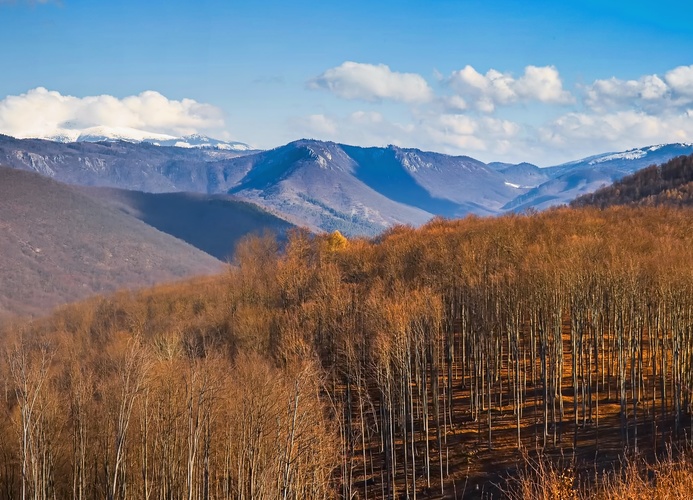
(508, 80)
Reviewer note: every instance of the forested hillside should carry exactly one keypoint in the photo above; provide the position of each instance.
(668, 184)
(416, 365)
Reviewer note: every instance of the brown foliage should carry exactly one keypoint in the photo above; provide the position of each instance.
(669, 184)
(371, 368)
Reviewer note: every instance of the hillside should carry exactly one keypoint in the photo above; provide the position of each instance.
(668, 184)
(59, 245)
(213, 223)
(570, 180)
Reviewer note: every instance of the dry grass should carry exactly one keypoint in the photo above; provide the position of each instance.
(633, 478)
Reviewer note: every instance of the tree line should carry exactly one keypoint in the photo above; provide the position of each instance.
(669, 184)
(361, 368)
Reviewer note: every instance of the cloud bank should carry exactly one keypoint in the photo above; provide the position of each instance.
(496, 115)
(44, 113)
(492, 115)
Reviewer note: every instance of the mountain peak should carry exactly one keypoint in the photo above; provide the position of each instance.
(102, 133)
(325, 185)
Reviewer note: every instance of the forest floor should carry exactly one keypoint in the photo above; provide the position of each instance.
(473, 468)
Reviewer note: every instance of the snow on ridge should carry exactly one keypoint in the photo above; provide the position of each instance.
(637, 153)
(633, 154)
(128, 134)
(121, 133)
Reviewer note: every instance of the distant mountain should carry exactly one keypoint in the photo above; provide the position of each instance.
(445, 185)
(570, 180)
(59, 245)
(328, 186)
(668, 184)
(314, 184)
(135, 166)
(524, 175)
(127, 134)
(202, 141)
(212, 223)
(331, 186)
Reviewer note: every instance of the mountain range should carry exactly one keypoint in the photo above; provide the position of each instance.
(327, 186)
(128, 134)
(576, 178)
(110, 214)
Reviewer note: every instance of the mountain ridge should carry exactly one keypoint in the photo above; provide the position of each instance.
(327, 186)
(59, 245)
(572, 179)
(103, 133)
(669, 184)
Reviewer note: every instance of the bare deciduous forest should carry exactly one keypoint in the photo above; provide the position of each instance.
(424, 364)
(669, 184)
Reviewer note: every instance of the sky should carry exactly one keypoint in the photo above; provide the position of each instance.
(542, 81)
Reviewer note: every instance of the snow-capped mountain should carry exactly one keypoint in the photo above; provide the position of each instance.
(327, 186)
(570, 180)
(524, 175)
(127, 134)
(202, 141)
(119, 164)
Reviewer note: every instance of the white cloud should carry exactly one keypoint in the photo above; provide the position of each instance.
(366, 117)
(369, 82)
(366, 128)
(467, 133)
(621, 114)
(467, 115)
(647, 92)
(680, 80)
(451, 133)
(454, 103)
(651, 93)
(43, 113)
(542, 84)
(575, 134)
